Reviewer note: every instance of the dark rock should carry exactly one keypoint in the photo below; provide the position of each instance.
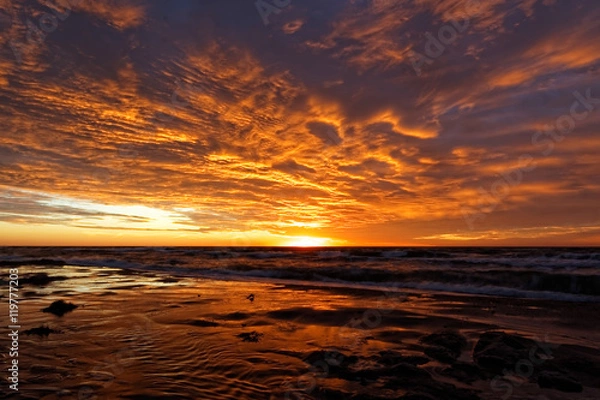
(444, 346)
(441, 354)
(580, 365)
(559, 381)
(250, 336)
(41, 331)
(60, 308)
(428, 389)
(489, 339)
(464, 372)
(496, 364)
(498, 350)
(331, 363)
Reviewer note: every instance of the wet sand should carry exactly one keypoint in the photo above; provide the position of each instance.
(142, 336)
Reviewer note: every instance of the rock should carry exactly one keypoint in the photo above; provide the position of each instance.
(498, 350)
(253, 336)
(429, 389)
(495, 364)
(559, 381)
(331, 363)
(444, 346)
(464, 372)
(60, 308)
(40, 331)
(441, 354)
(402, 372)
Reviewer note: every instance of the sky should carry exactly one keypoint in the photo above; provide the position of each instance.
(289, 122)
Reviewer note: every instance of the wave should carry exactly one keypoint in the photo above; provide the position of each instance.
(523, 272)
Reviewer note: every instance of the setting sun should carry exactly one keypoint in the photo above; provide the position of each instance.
(308, 241)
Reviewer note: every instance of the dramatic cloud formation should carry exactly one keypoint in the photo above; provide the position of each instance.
(360, 122)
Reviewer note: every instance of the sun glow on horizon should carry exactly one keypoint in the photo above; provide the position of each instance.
(308, 241)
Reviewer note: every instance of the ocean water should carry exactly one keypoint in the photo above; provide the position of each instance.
(570, 274)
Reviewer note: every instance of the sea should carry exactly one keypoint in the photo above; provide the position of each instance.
(565, 274)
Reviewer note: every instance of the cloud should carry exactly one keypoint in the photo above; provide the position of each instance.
(119, 14)
(317, 122)
(326, 132)
(292, 166)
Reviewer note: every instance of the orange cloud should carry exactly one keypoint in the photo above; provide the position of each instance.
(120, 14)
(221, 139)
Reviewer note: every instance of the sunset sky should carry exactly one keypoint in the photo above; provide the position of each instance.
(302, 122)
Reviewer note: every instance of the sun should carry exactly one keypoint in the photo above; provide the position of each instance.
(307, 241)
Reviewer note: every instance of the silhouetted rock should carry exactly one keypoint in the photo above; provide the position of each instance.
(496, 351)
(250, 297)
(559, 381)
(331, 363)
(60, 308)
(441, 354)
(444, 346)
(40, 331)
(428, 388)
(250, 336)
(586, 370)
(399, 371)
(464, 372)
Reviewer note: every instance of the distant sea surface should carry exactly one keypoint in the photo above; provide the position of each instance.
(570, 274)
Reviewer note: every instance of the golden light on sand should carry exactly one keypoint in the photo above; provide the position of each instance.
(307, 241)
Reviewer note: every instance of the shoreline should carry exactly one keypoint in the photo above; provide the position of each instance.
(213, 341)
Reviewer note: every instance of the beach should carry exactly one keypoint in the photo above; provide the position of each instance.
(138, 334)
(299, 200)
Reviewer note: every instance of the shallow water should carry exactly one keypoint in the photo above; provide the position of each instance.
(141, 336)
